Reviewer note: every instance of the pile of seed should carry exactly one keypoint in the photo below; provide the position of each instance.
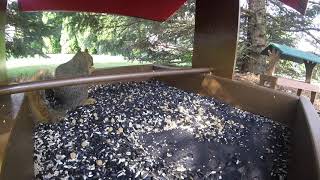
(149, 130)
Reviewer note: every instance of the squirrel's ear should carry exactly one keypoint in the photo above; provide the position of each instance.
(86, 50)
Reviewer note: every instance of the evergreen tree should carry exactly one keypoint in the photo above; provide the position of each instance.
(168, 42)
(25, 32)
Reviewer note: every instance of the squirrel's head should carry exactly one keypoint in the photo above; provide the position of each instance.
(84, 61)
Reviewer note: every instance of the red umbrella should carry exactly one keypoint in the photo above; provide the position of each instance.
(3, 5)
(299, 5)
(158, 10)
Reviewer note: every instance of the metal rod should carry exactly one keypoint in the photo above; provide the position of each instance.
(31, 86)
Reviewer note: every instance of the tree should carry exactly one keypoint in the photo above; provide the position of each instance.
(55, 20)
(282, 25)
(168, 42)
(25, 32)
(295, 24)
(256, 34)
(137, 39)
(292, 23)
(133, 38)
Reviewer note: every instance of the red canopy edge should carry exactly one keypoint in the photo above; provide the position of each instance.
(299, 5)
(158, 10)
(3, 5)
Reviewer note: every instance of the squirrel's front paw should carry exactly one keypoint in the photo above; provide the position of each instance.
(89, 101)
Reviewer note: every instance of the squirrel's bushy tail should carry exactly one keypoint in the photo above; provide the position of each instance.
(42, 74)
(40, 107)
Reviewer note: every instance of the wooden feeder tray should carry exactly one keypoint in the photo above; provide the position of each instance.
(296, 113)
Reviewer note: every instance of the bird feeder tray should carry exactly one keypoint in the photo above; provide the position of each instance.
(216, 35)
(296, 113)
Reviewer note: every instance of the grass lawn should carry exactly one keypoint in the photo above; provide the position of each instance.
(26, 67)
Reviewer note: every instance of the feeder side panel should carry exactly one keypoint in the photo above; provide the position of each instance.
(276, 105)
(306, 145)
(216, 36)
(190, 83)
(125, 69)
(242, 95)
(18, 162)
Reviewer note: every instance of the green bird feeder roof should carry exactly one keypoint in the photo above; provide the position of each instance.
(292, 54)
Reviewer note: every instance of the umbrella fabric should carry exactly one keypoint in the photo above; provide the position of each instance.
(299, 5)
(148, 9)
(3, 5)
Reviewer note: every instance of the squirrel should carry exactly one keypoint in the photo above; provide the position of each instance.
(50, 105)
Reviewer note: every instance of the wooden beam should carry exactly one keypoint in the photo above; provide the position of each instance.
(216, 36)
(309, 69)
(3, 69)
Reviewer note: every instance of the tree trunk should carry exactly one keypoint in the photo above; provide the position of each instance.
(256, 34)
(309, 69)
(274, 58)
(3, 69)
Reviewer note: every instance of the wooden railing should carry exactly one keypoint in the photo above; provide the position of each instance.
(272, 82)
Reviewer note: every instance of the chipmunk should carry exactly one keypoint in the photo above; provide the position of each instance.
(62, 99)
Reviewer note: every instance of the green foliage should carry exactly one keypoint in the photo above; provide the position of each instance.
(283, 26)
(291, 69)
(26, 72)
(137, 39)
(55, 20)
(56, 46)
(75, 45)
(28, 31)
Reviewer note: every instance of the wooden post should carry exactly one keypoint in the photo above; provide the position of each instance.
(313, 96)
(299, 92)
(309, 69)
(274, 57)
(3, 69)
(216, 35)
